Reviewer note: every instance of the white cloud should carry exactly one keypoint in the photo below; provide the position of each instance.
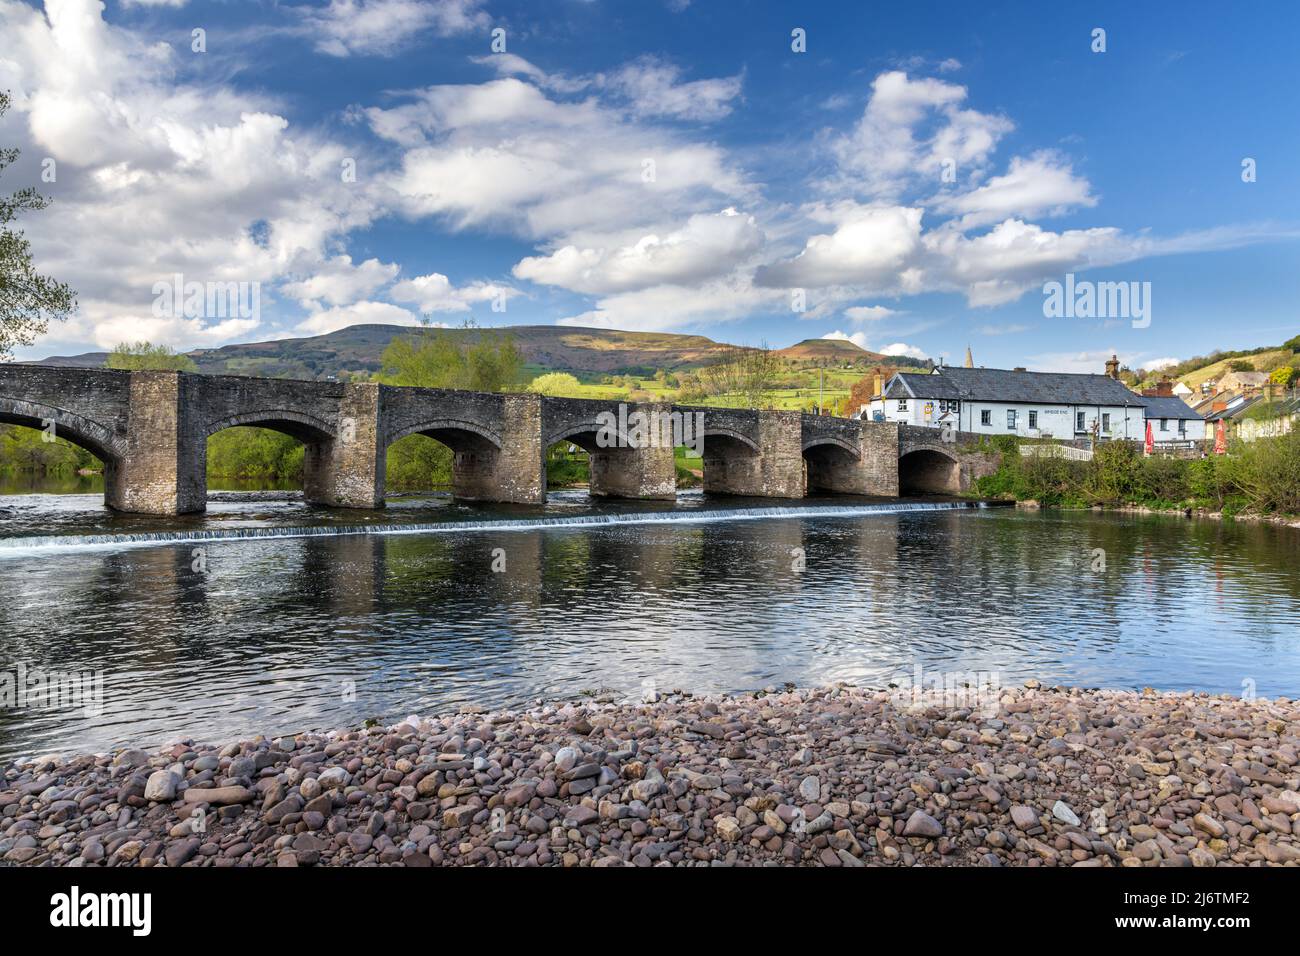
(706, 246)
(158, 176)
(869, 313)
(359, 313)
(655, 88)
(502, 155)
(870, 247)
(383, 27)
(1043, 184)
(435, 293)
(906, 133)
(900, 349)
(1159, 363)
(339, 282)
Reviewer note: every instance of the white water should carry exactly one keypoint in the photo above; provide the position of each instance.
(15, 547)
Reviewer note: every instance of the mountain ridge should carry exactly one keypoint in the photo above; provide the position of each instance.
(356, 350)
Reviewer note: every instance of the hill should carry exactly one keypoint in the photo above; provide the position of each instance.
(356, 350)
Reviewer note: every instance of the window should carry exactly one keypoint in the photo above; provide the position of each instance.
(1164, 424)
(1033, 419)
(1105, 423)
(902, 404)
(986, 417)
(1079, 425)
(1011, 419)
(1182, 427)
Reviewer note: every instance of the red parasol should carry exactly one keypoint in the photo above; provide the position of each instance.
(1150, 445)
(1220, 439)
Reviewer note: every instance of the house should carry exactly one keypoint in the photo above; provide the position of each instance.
(1242, 381)
(1174, 423)
(1182, 391)
(1014, 402)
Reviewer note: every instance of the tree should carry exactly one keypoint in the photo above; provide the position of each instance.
(746, 376)
(558, 384)
(481, 360)
(1283, 375)
(145, 356)
(28, 300)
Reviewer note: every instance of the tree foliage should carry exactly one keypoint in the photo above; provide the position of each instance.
(745, 377)
(28, 300)
(145, 356)
(481, 360)
(555, 384)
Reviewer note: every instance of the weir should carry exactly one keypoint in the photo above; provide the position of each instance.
(150, 429)
(15, 547)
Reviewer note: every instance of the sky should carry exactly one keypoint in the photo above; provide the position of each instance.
(912, 176)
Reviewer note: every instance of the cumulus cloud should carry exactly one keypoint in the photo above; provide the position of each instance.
(653, 87)
(869, 313)
(706, 246)
(902, 349)
(870, 246)
(435, 293)
(159, 177)
(384, 27)
(339, 282)
(908, 131)
(504, 156)
(1043, 184)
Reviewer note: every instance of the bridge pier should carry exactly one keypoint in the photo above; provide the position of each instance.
(163, 470)
(643, 468)
(516, 471)
(775, 470)
(348, 471)
(870, 469)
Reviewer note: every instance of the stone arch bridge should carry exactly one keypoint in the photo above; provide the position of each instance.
(151, 428)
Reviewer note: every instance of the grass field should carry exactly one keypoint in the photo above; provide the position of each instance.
(802, 396)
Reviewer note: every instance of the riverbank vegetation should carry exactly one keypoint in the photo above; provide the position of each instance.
(1260, 477)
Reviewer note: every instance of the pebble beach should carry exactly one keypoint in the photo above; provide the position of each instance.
(838, 776)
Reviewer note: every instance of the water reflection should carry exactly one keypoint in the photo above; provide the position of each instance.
(278, 635)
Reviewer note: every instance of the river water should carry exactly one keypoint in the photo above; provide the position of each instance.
(277, 617)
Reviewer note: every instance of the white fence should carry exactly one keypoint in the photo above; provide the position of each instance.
(1056, 451)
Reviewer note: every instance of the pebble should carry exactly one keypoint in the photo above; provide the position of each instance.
(818, 777)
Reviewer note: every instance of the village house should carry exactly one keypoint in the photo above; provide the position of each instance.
(1057, 405)
(1174, 423)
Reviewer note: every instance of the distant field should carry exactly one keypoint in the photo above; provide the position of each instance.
(1262, 362)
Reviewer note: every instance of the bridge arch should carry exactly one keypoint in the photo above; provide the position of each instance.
(306, 428)
(457, 434)
(929, 470)
(827, 460)
(83, 432)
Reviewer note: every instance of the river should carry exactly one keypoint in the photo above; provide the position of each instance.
(277, 617)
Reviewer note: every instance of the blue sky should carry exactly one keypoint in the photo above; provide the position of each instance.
(914, 177)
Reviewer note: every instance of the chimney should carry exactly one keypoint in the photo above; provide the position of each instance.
(1019, 368)
(1112, 367)
(879, 388)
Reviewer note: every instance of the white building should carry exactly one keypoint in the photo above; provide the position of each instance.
(1174, 423)
(1027, 404)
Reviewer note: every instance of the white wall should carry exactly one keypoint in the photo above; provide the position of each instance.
(1054, 421)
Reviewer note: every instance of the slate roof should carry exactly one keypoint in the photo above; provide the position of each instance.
(1004, 385)
(1166, 406)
